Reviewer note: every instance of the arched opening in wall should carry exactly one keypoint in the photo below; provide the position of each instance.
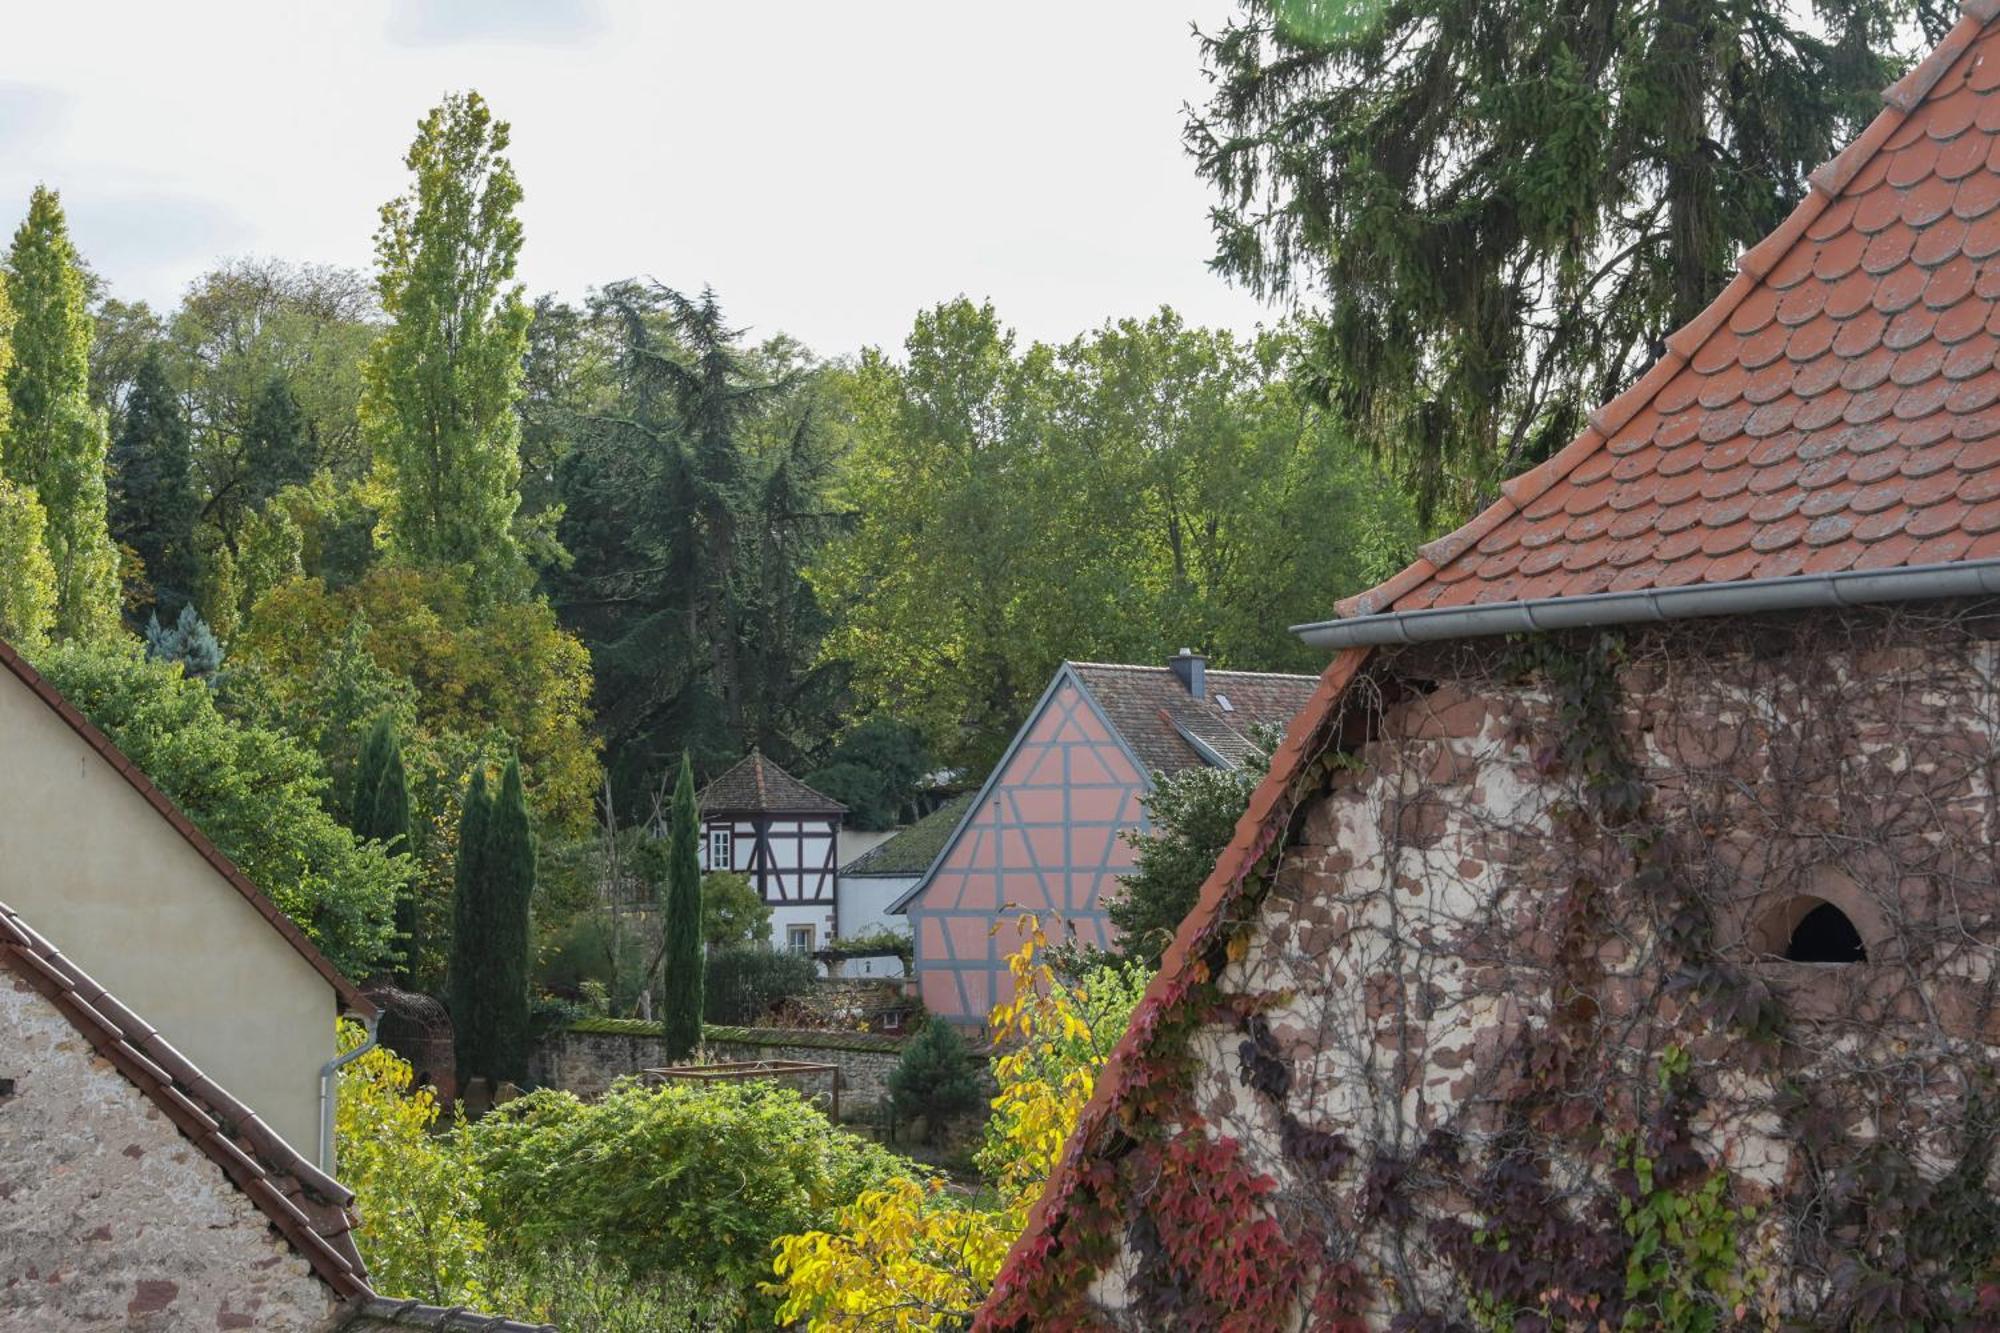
(1812, 930)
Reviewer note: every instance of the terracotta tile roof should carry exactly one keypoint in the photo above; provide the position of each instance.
(1155, 714)
(1837, 407)
(350, 995)
(307, 1206)
(758, 786)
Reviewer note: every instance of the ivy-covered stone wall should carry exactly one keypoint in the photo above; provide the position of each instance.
(1503, 1037)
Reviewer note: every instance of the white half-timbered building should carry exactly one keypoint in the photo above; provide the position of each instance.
(763, 823)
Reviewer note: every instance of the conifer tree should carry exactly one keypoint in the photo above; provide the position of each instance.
(277, 445)
(685, 960)
(155, 506)
(510, 861)
(56, 440)
(1499, 209)
(470, 914)
(380, 810)
(934, 1079)
(443, 380)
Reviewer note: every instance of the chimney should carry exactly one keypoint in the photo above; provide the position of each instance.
(1192, 669)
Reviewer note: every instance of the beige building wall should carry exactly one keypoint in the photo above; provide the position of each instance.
(96, 869)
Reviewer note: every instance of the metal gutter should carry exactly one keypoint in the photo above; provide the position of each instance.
(1798, 592)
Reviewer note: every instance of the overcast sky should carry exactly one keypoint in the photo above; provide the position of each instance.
(829, 167)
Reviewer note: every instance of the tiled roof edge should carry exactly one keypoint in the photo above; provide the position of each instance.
(1825, 184)
(1905, 93)
(349, 993)
(253, 1157)
(415, 1314)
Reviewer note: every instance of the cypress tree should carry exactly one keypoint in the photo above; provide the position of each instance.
(470, 913)
(381, 810)
(684, 957)
(57, 441)
(277, 446)
(155, 506)
(510, 861)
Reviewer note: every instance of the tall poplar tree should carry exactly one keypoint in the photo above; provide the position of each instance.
(471, 1016)
(685, 960)
(154, 506)
(443, 380)
(510, 860)
(1501, 208)
(27, 579)
(56, 440)
(380, 810)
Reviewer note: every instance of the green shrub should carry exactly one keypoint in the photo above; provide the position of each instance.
(580, 1292)
(935, 1078)
(695, 1181)
(745, 984)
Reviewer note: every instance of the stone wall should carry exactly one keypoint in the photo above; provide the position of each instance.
(589, 1056)
(110, 1217)
(1515, 988)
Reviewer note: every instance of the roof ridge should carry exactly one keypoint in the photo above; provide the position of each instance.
(1212, 671)
(1824, 185)
(350, 994)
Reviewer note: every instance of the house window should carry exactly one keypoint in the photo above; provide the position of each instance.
(799, 939)
(718, 849)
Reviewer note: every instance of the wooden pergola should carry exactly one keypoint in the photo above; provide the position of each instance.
(736, 1071)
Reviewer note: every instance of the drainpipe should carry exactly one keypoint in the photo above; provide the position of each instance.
(328, 1094)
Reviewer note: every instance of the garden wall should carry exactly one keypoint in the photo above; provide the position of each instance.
(591, 1054)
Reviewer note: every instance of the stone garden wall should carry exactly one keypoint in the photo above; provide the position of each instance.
(590, 1055)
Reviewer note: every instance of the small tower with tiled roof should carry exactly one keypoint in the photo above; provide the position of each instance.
(761, 822)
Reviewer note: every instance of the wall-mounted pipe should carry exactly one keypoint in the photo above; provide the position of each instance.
(329, 1091)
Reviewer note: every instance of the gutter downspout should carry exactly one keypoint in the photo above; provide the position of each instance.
(1796, 592)
(328, 1095)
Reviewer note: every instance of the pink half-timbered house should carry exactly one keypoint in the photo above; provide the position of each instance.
(763, 823)
(1046, 832)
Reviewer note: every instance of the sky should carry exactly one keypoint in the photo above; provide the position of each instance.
(830, 169)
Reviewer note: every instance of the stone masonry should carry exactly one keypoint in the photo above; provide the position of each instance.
(1467, 985)
(109, 1216)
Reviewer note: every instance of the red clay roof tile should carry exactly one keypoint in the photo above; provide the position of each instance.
(1837, 405)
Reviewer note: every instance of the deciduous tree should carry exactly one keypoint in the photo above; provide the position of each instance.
(443, 379)
(28, 585)
(258, 793)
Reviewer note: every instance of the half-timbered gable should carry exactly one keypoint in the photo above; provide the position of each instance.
(1047, 832)
(783, 836)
